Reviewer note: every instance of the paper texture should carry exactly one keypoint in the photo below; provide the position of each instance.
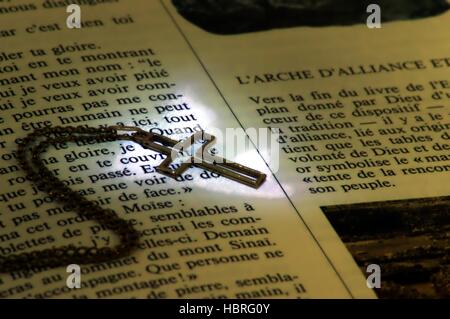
(143, 64)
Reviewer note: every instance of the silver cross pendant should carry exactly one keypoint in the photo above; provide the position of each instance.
(180, 151)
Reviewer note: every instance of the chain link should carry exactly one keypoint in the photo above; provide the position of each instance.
(29, 157)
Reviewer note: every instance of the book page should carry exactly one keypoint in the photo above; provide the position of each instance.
(364, 120)
(362, 116)
(202, 236)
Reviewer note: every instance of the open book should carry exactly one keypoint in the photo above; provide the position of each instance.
(359, 189)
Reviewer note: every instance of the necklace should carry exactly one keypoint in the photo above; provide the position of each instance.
(29, 157)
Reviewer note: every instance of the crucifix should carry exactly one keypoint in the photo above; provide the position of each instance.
(185, 153)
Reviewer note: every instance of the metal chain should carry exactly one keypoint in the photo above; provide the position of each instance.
(29, 158)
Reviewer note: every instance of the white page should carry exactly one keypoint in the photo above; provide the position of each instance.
(302, 269)
(241, 60)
